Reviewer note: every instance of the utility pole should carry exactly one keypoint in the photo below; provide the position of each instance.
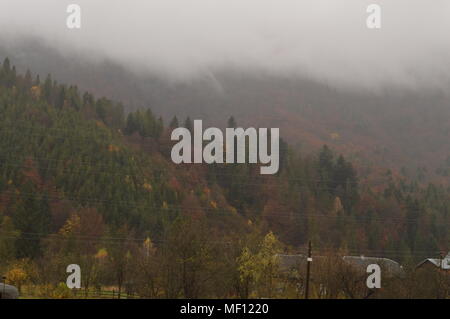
(308, 269)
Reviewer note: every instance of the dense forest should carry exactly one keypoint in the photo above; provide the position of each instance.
(82, 181)
(405, 130)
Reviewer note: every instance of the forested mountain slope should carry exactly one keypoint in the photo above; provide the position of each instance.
(66, 153)
(404, 130)
(83, 182)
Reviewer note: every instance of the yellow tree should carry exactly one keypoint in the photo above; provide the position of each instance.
(17, 274)
(260, 268)
(267, 262)
(247, 271)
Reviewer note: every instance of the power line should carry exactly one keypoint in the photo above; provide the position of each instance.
(100, 240)
(216, 211)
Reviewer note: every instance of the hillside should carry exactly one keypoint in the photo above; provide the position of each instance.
(80, 179)
(402, 130)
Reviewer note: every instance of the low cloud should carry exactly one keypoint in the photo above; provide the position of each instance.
(324, 39)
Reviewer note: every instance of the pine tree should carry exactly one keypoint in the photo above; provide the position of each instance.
(231, 122)
(6, 66)
(28, 80)
(48, 87)
(174, 123)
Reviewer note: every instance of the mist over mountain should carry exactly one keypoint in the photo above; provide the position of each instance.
(325, 40)
(394, 128)
(314, 70)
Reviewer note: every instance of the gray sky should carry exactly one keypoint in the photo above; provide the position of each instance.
(326, 39)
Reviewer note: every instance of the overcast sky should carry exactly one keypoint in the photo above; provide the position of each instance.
(326, 39)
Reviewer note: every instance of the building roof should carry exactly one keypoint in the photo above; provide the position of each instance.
(386, 264)
(439, 263)
(289, 262)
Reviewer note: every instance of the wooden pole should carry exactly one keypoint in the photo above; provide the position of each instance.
(308, 270)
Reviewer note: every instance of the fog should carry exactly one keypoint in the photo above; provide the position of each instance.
(326, 40)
